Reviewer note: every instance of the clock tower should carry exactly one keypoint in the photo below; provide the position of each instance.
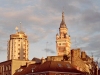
(63, 39)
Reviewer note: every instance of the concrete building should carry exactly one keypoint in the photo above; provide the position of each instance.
(17, 54)
(63, 39)
(18, 46)
(10, 67)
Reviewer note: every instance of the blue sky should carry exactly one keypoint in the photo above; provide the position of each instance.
(41, 20)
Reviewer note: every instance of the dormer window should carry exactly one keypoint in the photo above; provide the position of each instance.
(59, 65)
(68, 66)
(19, 70)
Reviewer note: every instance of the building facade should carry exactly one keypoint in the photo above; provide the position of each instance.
(63, 39)
(50, 68)
(10, 67)
(18, 46)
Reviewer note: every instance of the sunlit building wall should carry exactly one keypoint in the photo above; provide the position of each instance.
(63, 39)
(18, 46)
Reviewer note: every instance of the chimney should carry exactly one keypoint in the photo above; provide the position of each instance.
(75, 54)
(42, 60)
(83, 54)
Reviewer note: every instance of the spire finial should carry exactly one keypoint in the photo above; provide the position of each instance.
(63, 20)
(62, 24)
(20, 26)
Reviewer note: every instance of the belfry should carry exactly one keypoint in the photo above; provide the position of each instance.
(63, 39)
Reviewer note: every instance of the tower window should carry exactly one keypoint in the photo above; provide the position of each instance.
(64, 43)
(18, 53)
(68, 66)
(18, 57)
(59, 43)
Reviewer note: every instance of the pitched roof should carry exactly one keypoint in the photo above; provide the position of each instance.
(27, 69)
(56, 66)
(59, 66)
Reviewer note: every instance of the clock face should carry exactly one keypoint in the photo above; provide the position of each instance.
(62, 49)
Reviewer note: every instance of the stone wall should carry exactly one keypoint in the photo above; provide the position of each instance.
(77, 61)
(9, 67)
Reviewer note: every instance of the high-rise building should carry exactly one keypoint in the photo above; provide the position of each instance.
(63, 39)
(18, 46)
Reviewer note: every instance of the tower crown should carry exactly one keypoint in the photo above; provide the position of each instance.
(62, 24)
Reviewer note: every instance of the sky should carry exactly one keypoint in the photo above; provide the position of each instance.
(40, 20)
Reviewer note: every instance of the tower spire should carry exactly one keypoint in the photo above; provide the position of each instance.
(63, 39)
(63, 20)
(62, 24)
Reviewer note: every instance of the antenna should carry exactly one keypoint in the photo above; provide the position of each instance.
(46, 48)
(81, 48)
(20, 26)
(75, 43)
(92, 54)
(98, 61)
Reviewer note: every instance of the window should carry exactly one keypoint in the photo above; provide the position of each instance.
(19, 70)
(62, 49)
(66, 74)
(18, 57)
(58, 74)
(59, 43)
(9, 67)
(59, 65)
(18, 53)
(68, 66)
(0, 69)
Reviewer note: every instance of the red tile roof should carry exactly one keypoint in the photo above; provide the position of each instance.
(27, 69)
(59, 66)
(55, 66)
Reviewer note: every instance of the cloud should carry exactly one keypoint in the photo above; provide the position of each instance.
(2, 49)
(49, 50)
(58, 6)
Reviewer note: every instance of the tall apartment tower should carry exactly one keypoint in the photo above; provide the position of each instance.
(18, 46)
(63, 39)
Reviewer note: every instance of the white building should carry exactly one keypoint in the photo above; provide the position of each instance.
(18, 46)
